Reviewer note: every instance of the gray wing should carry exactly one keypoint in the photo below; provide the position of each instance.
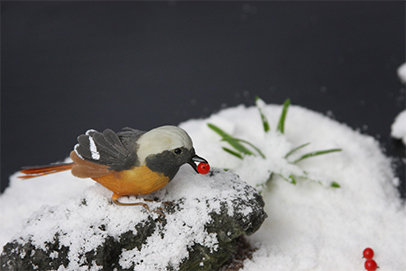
(118, 152)
(129, 137)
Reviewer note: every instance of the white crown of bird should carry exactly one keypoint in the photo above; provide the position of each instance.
(162, 139)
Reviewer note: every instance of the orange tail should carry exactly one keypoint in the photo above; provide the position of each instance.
(45, 170)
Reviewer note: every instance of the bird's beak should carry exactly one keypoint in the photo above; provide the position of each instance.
(195, 159)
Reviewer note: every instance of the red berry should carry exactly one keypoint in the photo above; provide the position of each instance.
(370, 265)
(203, 168)
(368, 253)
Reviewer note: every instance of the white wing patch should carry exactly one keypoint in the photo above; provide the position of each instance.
(93, 149)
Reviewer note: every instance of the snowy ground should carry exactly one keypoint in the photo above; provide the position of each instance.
(311, 225)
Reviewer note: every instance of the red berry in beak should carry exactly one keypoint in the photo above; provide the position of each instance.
(203, 168)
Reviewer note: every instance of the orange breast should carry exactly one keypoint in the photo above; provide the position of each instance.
(137, 181)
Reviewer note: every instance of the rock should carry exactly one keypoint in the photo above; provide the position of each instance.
(204, 216)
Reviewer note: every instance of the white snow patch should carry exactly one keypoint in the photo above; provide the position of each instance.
(22, 197)
(402, 73)
(398, 129)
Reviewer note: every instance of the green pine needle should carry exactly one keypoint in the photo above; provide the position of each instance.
(246, 142)
(292, 179)
(289, 179)
(230, 140)
(296, 149)
(235, 142)
(316, 153)
(264, 120)
(236, 154)
(281, 124)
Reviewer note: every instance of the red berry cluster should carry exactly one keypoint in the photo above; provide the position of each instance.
(370, 264)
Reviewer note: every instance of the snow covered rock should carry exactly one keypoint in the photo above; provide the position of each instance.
(204, 215)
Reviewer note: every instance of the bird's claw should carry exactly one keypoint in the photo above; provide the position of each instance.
(159, 210)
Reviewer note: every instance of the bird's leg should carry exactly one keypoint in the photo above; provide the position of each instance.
(166, 203)
(158, 211)
(161, 210)
(115, 200)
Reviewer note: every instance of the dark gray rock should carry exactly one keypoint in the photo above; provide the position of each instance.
(204, 216)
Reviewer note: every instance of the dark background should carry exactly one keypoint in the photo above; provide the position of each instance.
(70, 66)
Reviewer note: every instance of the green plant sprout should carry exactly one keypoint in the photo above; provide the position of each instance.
(281, 123)
(240, 151)
(235, 142)
(264, 120)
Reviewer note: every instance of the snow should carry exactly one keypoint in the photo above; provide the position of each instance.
(310, 225)
(402, 73)
(84, 221)
(398, 129)
(23, 197)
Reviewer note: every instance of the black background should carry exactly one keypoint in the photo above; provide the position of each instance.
(70, 66)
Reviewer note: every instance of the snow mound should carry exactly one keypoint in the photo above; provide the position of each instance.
(312, 226)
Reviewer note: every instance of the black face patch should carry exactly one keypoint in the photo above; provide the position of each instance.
(169, 162)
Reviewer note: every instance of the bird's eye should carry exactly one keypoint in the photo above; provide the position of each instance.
(177, 151)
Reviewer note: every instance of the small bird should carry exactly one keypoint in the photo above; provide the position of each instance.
(130, 162)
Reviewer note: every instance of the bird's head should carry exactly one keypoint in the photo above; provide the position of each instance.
(165, 149)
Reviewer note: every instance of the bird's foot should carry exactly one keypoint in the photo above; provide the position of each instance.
(158, 211)
(143, 204)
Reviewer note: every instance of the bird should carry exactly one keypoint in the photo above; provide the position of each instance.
(130, 162)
